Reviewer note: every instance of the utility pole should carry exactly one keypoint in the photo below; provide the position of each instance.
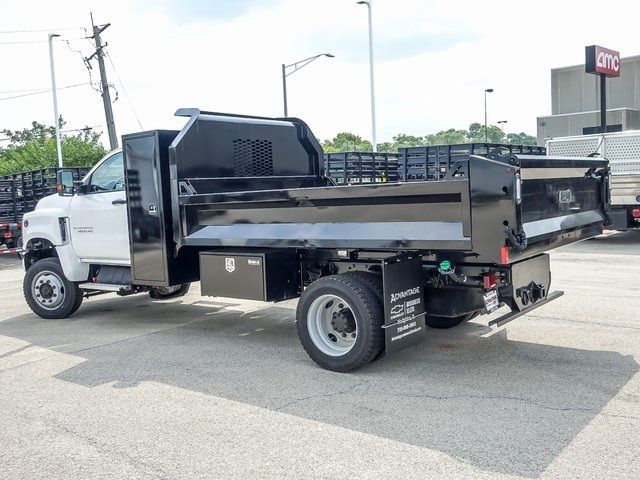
(104, 85)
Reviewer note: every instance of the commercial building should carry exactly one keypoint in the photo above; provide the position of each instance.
(575, 101)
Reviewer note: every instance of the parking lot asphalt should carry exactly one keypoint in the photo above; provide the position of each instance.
(203, 387)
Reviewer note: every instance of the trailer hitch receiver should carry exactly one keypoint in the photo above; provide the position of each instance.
(531, 293)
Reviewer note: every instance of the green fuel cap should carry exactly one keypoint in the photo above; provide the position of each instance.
(445, 265)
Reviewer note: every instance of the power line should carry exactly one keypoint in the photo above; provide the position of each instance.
(22, 91)
(88, 127)
(7, 139)
(135, 114)
(41, 30)
(23, 42)
(38, 92)
(86, 64)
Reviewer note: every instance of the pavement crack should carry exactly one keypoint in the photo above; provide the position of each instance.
(539, 316)
(322, 395)
(103, 447)
(134, 337)
(515, 399)
(17, 350)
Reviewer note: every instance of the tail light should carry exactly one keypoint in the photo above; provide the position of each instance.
(504, 255)
(635, 213)
(490, 281)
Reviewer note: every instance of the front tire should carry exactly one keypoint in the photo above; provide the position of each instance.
(339, 322)
(48, 292)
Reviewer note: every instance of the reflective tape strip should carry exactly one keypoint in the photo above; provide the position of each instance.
(549, 172)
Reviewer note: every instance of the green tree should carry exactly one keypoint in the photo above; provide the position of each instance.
(346, 142)
(521, 139)
(494, 133)
(403, 140)
(448, 137)
(386, 147)
(35, 147)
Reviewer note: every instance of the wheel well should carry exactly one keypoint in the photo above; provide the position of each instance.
(37, 249)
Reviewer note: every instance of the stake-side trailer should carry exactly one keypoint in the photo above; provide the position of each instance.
(242, 205)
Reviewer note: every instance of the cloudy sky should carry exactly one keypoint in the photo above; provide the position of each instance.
(433, 59)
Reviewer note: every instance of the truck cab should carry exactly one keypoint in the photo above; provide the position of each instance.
(78, 236)
(90, 219)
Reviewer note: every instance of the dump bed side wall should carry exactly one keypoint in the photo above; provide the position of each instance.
(394, 216)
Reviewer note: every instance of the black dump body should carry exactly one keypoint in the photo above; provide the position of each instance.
(227, 181)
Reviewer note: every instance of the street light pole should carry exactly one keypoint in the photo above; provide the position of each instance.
(501, 123)
(296, 66)
(486, 137)
(55, 98)
(284, 90)
(371, 76)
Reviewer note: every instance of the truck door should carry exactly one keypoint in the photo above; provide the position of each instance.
(98, 219)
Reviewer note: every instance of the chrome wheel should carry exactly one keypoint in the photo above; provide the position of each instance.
(47, 289)
(332, 325)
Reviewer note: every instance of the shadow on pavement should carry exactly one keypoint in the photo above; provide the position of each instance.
(504, 406)
(620, 243)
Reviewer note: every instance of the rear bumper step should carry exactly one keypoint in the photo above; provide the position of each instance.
(506, 318)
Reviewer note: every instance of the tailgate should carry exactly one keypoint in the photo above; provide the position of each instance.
(523, 205)
(559, 195)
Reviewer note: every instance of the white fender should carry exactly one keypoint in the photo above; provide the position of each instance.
(44, 223)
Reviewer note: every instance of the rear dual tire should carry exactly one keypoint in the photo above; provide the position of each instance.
(448, 322)
(339, 322)
(164, 293)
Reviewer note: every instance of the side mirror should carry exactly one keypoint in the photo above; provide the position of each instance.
(64, 183)
(80, 188)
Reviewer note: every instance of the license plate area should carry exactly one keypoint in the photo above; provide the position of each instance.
(491, 300)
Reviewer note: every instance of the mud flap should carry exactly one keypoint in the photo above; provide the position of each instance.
(404, 302)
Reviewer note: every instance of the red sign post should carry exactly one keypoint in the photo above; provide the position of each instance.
(606, 63)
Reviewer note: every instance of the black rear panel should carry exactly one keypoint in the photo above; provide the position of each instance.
(557, 197)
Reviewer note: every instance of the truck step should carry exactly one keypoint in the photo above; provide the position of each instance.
(506, 318)
(106, 287)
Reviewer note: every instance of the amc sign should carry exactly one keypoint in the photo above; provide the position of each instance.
(600, 60)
